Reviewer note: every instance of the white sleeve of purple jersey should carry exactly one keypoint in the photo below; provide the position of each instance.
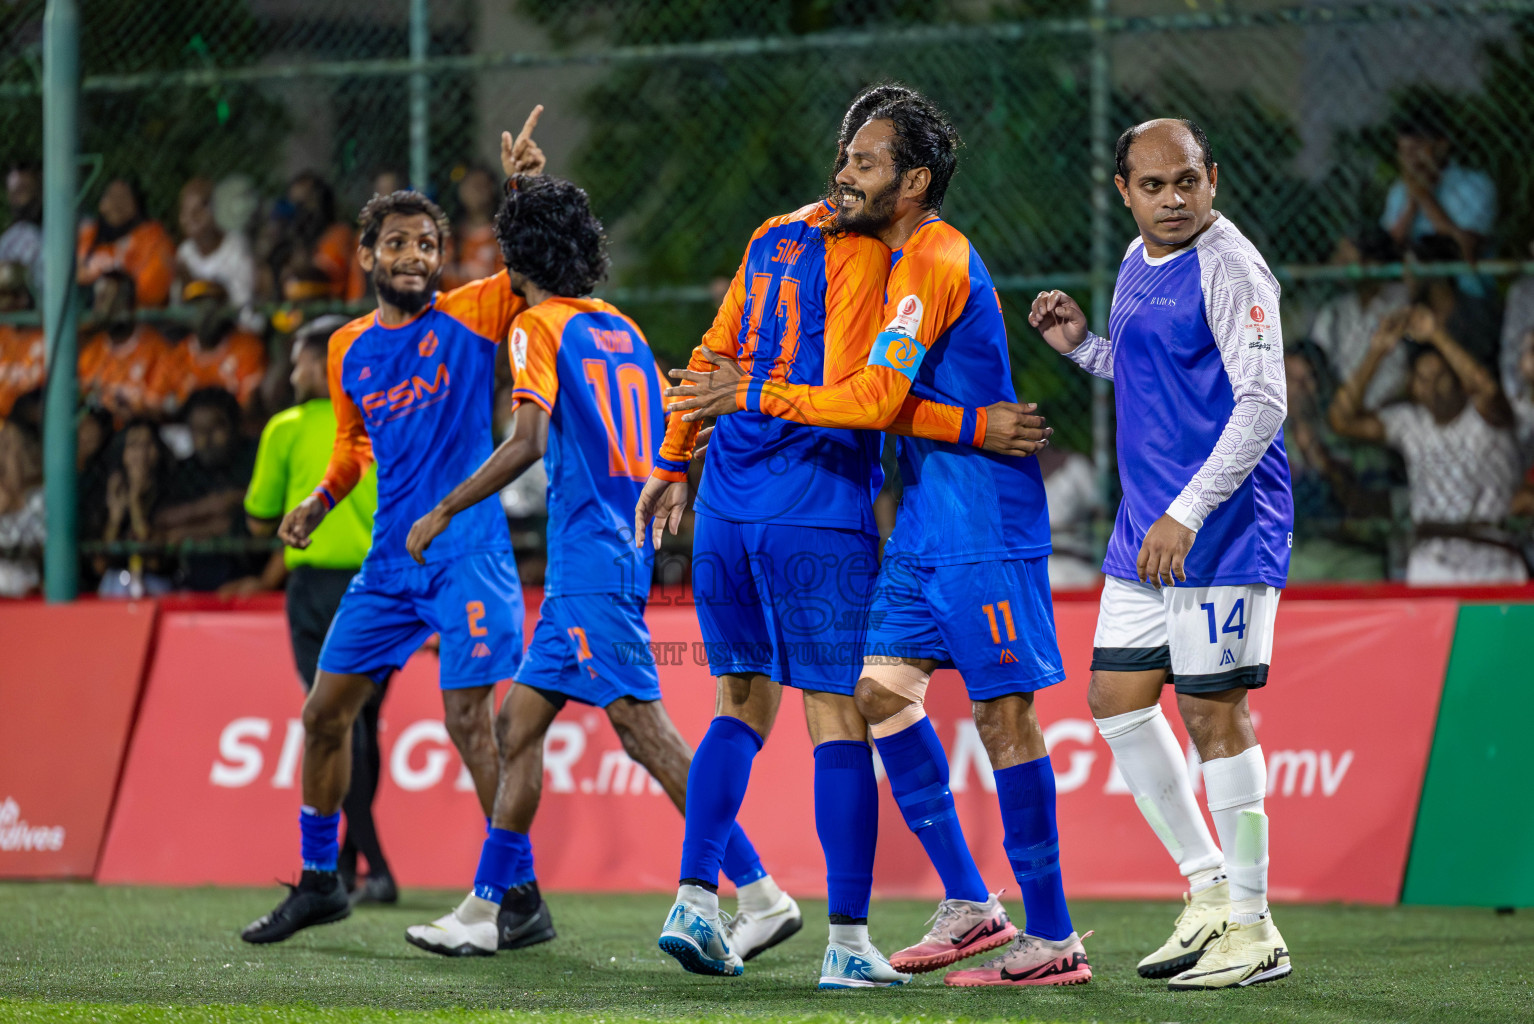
(1094, 355)
(1241, 300)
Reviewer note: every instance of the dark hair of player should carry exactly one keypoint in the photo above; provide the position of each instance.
(548, 234)
(406, 203)
(314, 336)
(923, 138)
(863, 104)
(1121, 150)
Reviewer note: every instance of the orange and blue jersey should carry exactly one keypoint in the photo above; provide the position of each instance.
(415, 398)
(590, 368)
(943, 352)
(794, 303)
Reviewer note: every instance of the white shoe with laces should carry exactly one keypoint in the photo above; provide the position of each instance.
(752, 932)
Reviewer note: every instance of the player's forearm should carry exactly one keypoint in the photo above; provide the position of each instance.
(1254, 424)
(935, 421)
(869, 399)
(1094, 355)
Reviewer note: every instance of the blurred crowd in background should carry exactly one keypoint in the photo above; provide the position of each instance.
(1411, 402)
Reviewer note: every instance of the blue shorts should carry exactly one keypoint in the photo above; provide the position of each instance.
(993, 621)
(593, 648)
(473, 602)
(787, 602)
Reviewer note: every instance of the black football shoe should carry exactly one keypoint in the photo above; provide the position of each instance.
(375, 889)
(318, 898)
(524, 919)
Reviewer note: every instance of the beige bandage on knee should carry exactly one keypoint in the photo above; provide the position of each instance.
(906, 681)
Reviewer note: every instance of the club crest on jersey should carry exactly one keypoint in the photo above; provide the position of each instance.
(519, 349)
(1257, 315)
(428, 344)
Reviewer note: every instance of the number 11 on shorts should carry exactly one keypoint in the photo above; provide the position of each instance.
(1005, 607)
(1235, 622)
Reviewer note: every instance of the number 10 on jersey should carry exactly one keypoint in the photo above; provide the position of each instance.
(630, 454)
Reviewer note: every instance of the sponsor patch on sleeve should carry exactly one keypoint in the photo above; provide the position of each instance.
(907, 318)
(519, 349)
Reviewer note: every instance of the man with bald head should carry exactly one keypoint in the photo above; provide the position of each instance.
(1200, 547)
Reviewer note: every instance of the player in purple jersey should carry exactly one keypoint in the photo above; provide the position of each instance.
(589, 405)
(1200, 547)
(409, 385)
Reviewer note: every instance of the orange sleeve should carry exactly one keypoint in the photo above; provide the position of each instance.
(151, 259)
(352, 453)
(722, 336)
(487, 306)
(535, 357)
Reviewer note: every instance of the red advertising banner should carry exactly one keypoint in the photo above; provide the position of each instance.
(217, 753)
(68, 687)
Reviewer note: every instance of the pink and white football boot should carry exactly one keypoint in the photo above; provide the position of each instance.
(960, 928)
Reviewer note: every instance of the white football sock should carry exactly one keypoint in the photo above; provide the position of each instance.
(699, 899)
(473, 909)
(1156, 772)
(758, 896)
(852, 937)
(1235, 787)
(1205, 879)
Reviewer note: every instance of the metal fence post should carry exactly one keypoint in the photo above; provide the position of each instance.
(420, 115)
(61, 101)
(1101, 88)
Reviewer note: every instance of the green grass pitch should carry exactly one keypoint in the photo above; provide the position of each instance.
(73, 952)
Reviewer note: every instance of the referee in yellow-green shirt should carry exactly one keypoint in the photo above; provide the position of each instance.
(290, 463)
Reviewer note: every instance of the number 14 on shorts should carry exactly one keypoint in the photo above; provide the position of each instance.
(1235, 622)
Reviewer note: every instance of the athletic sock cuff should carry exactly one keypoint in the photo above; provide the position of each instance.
(1122, 725)
(1236, 781)
(1018, 787)
(843, 754)
(731, 728)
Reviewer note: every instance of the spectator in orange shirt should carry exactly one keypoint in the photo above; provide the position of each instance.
(21, 348)
(122, 239)
(473, 251)
(216, 354)
(118, 367)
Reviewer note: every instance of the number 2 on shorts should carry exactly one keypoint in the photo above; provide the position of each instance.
(1235, 622)
(476, 612)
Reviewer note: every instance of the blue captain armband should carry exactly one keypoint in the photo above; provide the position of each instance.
(900, 352)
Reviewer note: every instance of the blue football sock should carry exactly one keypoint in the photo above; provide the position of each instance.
(917, 768)
(716, 786)
(1027, 795)
(847, 821)
(319, 841)
(505, 861)
(741, 864)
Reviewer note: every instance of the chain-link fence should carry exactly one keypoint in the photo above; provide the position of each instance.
(689, 121)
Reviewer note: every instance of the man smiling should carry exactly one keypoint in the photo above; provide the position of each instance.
(409, 383)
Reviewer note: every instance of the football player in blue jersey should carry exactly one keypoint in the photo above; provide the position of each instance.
(589, 405)
(964, 580)
(408, 383)
(1200, 548)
